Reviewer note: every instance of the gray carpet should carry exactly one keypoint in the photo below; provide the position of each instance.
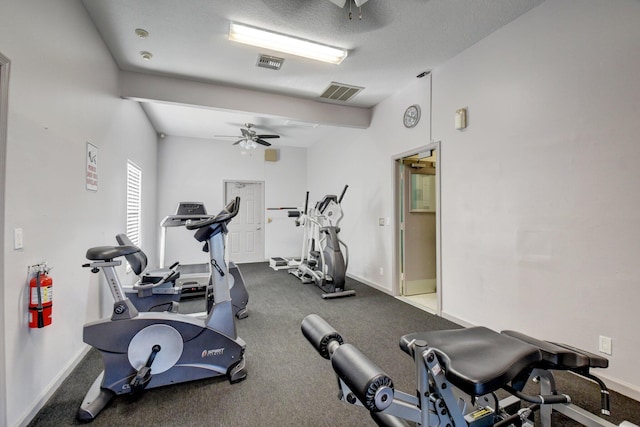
(288, 383)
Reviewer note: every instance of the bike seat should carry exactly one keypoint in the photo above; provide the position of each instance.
(107, 253)
(476, 360)
(561, 356)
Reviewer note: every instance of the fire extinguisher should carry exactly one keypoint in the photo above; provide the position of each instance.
(40, 297)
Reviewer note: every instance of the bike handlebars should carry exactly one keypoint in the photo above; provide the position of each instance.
(229, 211)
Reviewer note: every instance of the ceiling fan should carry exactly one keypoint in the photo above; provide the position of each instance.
(341, 3)
(358, 3)
(250, 138)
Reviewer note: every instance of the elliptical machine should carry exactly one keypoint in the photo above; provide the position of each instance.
(153, 349)
(322, 261)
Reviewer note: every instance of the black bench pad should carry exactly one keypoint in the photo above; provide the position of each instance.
(595, 361)
(553, 356)
(477, 360)
(561, 356)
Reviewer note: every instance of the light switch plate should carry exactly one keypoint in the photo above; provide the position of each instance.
(17, 239)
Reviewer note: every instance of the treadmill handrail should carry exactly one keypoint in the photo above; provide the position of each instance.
(166, 221)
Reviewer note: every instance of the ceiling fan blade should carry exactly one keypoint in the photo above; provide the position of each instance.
(239, 141)
(339, 3)
(245, 133)
(359, 2)
(268, 136)
(227, 136)
(263, 142)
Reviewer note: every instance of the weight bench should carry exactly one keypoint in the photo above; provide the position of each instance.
(458, 372)
(480, 361)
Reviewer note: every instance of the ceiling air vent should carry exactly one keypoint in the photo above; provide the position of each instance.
(340, 92)
(270, 62)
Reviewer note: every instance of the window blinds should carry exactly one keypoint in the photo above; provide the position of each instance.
(134, 202)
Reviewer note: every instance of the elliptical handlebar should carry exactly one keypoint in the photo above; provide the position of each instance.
(229, 211)
(342, 194)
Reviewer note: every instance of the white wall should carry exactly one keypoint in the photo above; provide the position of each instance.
(540, 206)
(539, 197)
(63, 93)
(362, 159)
(191, 169)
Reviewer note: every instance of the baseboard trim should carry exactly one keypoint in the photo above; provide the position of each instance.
(369, 283)
(416, 305)
(52, 387)
(614, 384)
(620, 386)
(457, 320)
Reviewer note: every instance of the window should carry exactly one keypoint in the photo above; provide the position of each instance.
(134, 202)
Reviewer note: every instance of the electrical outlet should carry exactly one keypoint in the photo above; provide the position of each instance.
(604, 345)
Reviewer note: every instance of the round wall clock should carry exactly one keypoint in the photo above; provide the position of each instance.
(411, 116)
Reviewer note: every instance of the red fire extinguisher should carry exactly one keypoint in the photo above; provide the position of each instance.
(40, 298)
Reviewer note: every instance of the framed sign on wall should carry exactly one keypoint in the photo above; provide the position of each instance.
(91, 175)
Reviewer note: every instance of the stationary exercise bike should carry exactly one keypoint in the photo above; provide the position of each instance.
(322, 261)
(161, 289)
(152, 349)
(156, 289)
(458, 373)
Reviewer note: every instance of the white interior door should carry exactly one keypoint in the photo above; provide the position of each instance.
(246, 231)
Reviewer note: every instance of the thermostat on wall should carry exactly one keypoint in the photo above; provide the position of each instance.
(461, 118)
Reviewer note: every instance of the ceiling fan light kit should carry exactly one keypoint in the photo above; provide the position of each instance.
(287, 44)
(250, 138)
(247, 144)
(341, 3)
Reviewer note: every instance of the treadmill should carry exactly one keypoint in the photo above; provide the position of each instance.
(194, 278)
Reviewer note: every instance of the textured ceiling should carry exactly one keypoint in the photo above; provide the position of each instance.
(392, 43)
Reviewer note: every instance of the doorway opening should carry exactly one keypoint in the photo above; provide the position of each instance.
(246, 233)
(417, 278)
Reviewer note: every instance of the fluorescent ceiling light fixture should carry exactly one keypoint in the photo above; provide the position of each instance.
(281, 43)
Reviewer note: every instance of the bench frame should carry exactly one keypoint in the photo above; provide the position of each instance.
(437, 401)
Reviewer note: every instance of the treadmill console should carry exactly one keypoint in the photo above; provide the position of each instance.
(191, 208)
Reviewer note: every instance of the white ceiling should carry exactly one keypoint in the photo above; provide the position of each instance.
(392, 43)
